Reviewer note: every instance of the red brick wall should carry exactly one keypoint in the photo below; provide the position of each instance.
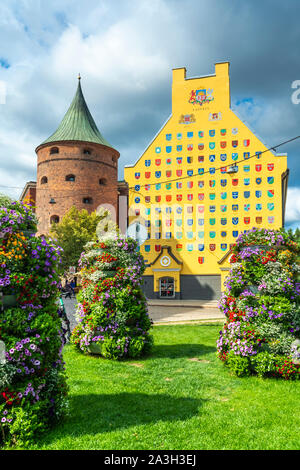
(102, 163)
(30, 197)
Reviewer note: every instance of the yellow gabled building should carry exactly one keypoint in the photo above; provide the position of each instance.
(204, 178)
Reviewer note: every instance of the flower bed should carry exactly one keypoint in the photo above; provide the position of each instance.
(112, 309)
(32, 378)
(262, 308)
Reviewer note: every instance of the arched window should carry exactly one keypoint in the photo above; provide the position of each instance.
(54, 219)
(70, 178)
(44, 180)
(87, 151)
(87, 200)
(102, 181)
(114, 159)
(167, 287)
(54, 150)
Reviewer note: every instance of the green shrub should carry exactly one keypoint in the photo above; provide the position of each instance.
(27, 422)
(239, 365)
(264, 364)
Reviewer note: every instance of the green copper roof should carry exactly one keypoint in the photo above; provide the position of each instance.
(78, 123)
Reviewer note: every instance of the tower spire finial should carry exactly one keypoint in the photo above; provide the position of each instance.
(79, 77)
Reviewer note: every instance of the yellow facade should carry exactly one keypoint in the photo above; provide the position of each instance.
(164, 266)
(202, 181)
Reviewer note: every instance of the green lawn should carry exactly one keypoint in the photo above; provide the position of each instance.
(182, 397)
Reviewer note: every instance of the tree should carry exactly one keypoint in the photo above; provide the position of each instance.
(297, 235)
(76, 228)
(5, 200)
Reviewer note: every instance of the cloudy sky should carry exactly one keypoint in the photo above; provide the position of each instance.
(125, 51)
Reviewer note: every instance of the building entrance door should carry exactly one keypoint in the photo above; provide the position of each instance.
(167, 288)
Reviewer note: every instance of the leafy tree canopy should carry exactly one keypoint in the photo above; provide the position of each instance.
(5, 200)
(77, 228)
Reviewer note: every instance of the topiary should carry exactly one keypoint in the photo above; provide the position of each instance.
(112, 309)
(261, 304)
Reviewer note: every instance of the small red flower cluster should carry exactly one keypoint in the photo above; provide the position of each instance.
(10, 397)
(106, 258)
(270, 256)
(27, 296)
(252, 335)
(107, 283)
(233, 259)
(235, 315)
(230, 301)
(288, 369)
(223, 356)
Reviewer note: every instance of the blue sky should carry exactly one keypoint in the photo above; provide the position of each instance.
(125, 51)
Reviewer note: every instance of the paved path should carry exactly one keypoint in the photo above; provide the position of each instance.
(70, 306)
(182, 311)
(167, 311)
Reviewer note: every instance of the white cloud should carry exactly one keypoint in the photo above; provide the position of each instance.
(41, 82)
(125, 51)
(115, 58)
(293, 206)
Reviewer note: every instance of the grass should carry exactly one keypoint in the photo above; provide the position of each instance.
(181, 397)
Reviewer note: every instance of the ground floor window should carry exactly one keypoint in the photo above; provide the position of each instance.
(167, 287)
(54, 219)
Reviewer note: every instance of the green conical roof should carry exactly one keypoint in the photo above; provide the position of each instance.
(78, 123)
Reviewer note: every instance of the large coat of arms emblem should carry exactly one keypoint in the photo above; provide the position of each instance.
(201, 96)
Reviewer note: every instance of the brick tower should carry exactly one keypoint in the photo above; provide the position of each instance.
(76, 166)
